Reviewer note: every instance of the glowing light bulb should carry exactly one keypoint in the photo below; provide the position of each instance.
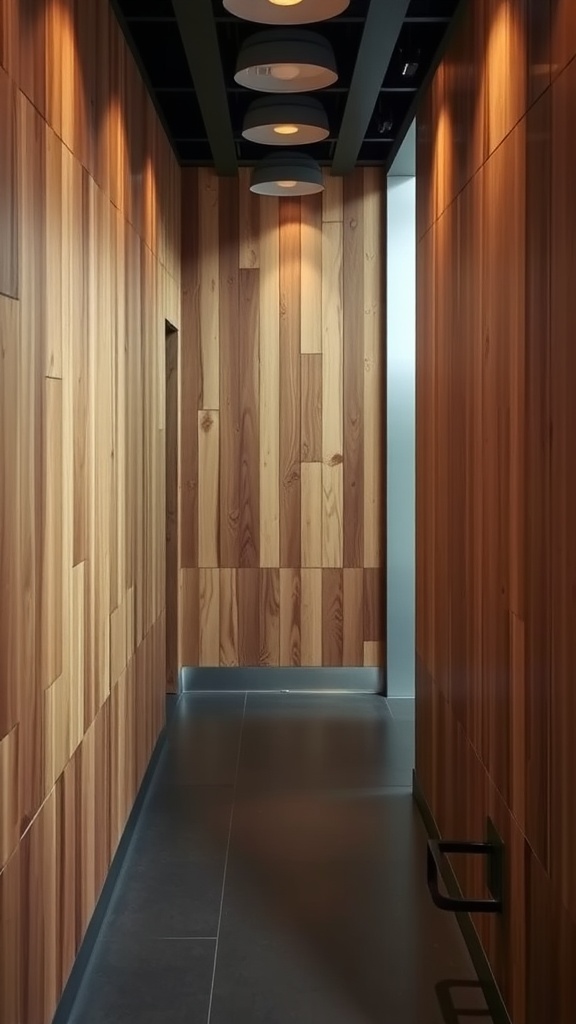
(285, 3)
(286, 129)
(287, 184)
(285, 72)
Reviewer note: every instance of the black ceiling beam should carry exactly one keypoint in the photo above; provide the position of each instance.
(383, 24)
(198, 30)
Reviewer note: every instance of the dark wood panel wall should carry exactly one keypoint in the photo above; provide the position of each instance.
(89, 270)
(496, 491)
(282, 424)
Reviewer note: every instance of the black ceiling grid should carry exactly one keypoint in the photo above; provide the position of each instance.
(187, 52)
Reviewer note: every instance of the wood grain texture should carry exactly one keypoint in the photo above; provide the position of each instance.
(229, 505)
(374, 417)
(8, 190)
(269, 616)
(311, 544)
(311, 274)
(300, 355)
(495, 483)
(82, 473)
(311, 398)
(209, 307)
(249, 419)
(208, 484)
(269, 392)
(290, 409)
(290, 612)
(248, 616)
(311, 617)
(332, 617)
(353, 617)
(353, 369)
(228, 581)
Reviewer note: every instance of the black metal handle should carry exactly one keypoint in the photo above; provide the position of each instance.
(492, 850)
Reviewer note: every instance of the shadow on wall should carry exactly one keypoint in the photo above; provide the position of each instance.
(72, 62)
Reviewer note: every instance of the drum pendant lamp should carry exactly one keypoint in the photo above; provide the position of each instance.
(285, 121)
(287, 173)
(286, 12)
(286, 61)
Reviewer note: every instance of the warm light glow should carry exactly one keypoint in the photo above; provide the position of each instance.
(286, 129)
(287, 184)
(285, 72)
(285, 3)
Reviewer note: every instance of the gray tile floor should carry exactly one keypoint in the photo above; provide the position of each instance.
(277, 875)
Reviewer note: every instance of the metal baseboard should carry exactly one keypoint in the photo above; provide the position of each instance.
(262, 679)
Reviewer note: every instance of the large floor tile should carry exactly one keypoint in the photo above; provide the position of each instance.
(146, 982)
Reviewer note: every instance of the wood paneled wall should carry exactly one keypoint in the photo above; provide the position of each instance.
(282, 437)
(89, 270)
(496, 477)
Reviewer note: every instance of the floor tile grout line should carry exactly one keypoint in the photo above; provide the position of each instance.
(226, 860)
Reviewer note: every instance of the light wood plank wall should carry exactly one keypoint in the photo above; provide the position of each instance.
(89, 271)
(496, 480)
(282, 428)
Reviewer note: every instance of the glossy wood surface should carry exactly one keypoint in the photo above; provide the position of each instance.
(282, 415)
(496, 501)
(89, 273)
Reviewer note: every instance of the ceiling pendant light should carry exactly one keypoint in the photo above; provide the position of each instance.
(285, 120)
(286, 12)
(289, 61)
(287, 173)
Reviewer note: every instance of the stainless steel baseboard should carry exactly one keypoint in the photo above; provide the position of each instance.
(262, 679)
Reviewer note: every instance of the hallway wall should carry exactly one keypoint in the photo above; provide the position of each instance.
(496, 493)
(282, 426)
(89, 269)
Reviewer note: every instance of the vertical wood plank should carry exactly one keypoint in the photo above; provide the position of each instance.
(353, 368)
(353, 617)
(189, 373)
(269, 616)
(311, 617)
(311, 397)
(208, 486)
(374, 604)
(290, 383)
(249, 616)
(52, 539)
(249, 229)
(209, 276)
(269, 385)
(332, 394)
(229, 377)
(311, 274)
(228, 618)
(249, 419)
(290, 608)
(332, 617)
(189, 630)
(374, 363)
(209, 601)
(311, 529)
(8, 189)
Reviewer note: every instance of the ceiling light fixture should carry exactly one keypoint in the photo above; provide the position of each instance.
(289, 61)
(286, 12)
(282, 120)
(287, 173)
